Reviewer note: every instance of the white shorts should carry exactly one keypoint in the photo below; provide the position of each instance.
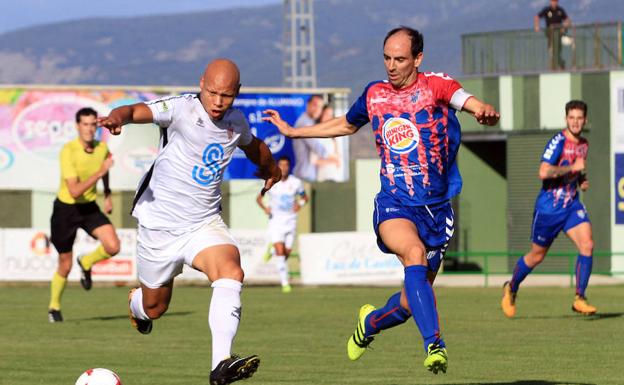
(161, 254)
(283, 230)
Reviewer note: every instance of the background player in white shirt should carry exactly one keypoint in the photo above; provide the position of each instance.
(178, 207)
(285, 200)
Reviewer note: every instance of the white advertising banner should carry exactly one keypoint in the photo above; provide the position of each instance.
(617, 165)
(346, 258)
(28, 255)
(252, 246)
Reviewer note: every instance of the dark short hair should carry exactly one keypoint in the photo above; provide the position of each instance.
(576, 105)
(86, 111)
(418, 42)
(284, 157)
(314, 96)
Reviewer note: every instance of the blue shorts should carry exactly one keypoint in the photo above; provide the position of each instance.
(435, 224)
(547, 225)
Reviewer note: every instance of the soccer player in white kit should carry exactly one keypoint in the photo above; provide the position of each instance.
(178, 207)
(285, 200)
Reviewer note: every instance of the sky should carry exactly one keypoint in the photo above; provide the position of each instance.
(18, 14)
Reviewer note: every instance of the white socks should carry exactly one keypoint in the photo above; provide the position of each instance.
(136, 305)
(223, 317)
(282, 268)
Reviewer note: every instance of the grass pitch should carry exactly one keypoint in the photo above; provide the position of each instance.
(301, 338)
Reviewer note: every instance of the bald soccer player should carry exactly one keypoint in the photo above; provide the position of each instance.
(178, 205)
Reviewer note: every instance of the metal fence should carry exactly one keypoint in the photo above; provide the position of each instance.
(497, 263)
(579, 47)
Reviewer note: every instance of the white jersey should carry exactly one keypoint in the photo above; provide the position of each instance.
(283, 196)
(183, 188)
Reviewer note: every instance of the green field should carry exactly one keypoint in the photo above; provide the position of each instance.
(301, 338)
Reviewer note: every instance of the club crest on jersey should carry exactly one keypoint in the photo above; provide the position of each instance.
(415, 96)
(400, 135)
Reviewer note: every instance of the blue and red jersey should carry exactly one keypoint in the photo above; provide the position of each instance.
(559, 193)
(417, 136)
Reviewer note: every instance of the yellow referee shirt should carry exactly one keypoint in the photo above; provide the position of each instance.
(77, 163)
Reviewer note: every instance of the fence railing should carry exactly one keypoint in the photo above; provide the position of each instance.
(579, 47)
(490, 263)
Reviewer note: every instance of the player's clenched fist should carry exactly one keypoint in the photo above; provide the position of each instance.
(487, 115)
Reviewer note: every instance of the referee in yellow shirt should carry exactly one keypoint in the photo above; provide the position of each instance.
(84, 161)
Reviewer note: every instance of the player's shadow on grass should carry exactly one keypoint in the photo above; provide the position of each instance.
(524, 382)
(125, 316)
(595, 317)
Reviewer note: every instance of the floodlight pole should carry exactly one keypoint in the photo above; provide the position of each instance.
(299, 52)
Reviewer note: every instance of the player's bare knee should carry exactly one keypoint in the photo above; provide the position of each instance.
(236, 273)
(586, 247)
(112, 248)
(415, 255)
(535, 258)
(64, 267)
(63, 270)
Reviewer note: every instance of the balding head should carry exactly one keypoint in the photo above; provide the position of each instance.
(219, 87)
(222, 71)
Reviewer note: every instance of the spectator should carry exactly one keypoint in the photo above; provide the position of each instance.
(557, 21)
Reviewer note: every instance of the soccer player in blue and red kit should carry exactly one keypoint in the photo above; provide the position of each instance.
(417, 137)
(558, 208)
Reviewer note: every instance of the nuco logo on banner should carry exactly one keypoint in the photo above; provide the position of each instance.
(43, 127)
(31, 258)
(40, 244)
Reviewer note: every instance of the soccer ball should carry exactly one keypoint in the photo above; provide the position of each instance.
(98, 376)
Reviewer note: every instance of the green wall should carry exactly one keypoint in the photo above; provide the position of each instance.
(15, 208)
(334, 205)
(486, 89)
(481, 216)
(596, 93)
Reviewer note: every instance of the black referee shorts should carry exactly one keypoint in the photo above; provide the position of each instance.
(66, 219)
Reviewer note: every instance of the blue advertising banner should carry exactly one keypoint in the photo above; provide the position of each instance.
(290, 107)
(619, 189)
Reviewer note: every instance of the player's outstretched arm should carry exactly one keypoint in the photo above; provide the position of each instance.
(483, 112)
(134, 113)
(549, 171)
(258, 152)
(330, 129)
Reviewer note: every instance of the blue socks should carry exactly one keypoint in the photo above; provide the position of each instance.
(421, 301)
(583, 271)
(392, 314)
(519, 274)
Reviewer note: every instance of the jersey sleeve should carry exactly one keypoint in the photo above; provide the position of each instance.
(358, 113)
(553, 149)
(245, 136)
(447, 90)
(543, 12)
(68, 170)
(164, 110)
(564, 15)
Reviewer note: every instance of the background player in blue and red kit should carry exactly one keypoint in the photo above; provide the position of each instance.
(558, 208)
(417, 137)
